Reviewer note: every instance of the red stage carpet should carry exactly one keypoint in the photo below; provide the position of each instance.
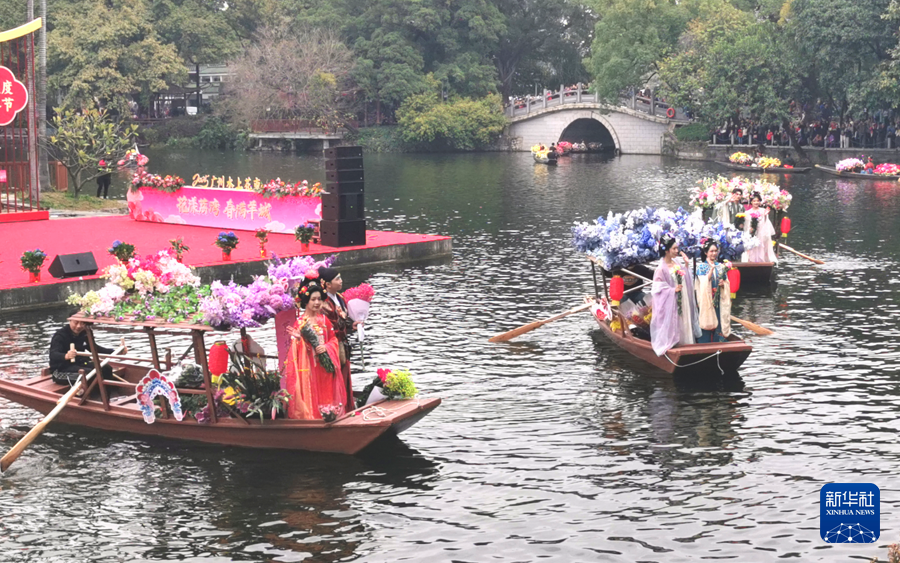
(96, 234)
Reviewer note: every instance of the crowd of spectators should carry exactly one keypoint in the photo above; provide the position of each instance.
(569, 92)
(867, 131)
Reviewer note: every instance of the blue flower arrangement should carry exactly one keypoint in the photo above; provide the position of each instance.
(623, 240)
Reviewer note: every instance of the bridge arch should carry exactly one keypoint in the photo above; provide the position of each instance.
(631, 132)
(584, 120)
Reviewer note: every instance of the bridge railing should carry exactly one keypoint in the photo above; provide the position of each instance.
(579, 94)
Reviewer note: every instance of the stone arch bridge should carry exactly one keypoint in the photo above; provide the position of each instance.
(573, 115)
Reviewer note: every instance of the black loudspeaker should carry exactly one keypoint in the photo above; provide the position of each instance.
(355, 163)
(73, 265)
(344, 176)
(343, 207)
(342, 233)
(344, 188)
(350, 151)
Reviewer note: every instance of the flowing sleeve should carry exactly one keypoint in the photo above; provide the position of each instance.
(664, 322)
(692, 298)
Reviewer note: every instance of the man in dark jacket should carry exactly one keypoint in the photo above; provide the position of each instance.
(64, 362)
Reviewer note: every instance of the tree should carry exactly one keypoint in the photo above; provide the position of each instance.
(545, 42)
(630, 39)
(287, 75)
(459, 124)
(85, 138)
(110, 52)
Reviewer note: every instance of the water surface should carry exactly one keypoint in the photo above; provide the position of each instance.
(557, 446)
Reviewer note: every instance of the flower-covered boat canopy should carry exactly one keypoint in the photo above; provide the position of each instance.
(849, 165)
(623, 240)
(159, 288)
(710, 192)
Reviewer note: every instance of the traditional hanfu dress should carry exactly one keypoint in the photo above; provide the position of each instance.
(674, 322)
(309, 384)
(764, 232)
(714, 303)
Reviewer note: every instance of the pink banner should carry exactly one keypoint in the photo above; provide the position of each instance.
(222, 208)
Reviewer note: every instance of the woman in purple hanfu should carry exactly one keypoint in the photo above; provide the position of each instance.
(675, 317)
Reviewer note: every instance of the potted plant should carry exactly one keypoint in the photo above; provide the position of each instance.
(32, 260)
(179, 247)
(304, 233)
(122, 251)
(227, 241)
(262, 235)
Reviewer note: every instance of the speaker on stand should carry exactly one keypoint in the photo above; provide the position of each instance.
(343, 202)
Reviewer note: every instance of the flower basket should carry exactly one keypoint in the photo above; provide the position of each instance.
(122, 251)
(304, 233)
(227, 241)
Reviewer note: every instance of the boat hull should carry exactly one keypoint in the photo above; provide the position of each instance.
(696, 360)
(347, 435)
(857, 175)
(543, 159)
(756, 273)
(769, 170)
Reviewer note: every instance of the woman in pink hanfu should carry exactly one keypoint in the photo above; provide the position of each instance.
(675, 318)
(312, 386)
(763, 230)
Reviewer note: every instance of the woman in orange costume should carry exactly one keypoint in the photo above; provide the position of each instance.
(308, 381)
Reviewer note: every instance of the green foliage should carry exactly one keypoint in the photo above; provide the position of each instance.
(85, 138)
(382, 138)
(260, 392)
(459, 124)
(630, 39)
(32, 260)
(399, 385)
(109, 51)
(692, 132)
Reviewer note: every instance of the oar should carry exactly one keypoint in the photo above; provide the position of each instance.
(16, 450)
(760, 330)
(536, 324)
(789, 249)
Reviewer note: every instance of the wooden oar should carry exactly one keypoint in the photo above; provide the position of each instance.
(16, 450)
(811, 259)
(536, 324)
(760, 330)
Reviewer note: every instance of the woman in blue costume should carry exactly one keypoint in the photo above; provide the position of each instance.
(713, 295)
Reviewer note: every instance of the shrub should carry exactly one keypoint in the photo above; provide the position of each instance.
(460, 123)
(692, 132)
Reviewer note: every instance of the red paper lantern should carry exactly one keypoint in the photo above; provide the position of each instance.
(616, 290)
(218, 358)
(785, 226)
(734, 280)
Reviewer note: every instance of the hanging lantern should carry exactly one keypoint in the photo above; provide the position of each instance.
(734, 280)
(218, 359)
(616, 290)
(785, 226)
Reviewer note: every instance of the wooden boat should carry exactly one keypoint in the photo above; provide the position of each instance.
(755, 273)
(544, 157)
(116, 408)
(831, 170)
(692, 360)
(769, 170)
(579, 147)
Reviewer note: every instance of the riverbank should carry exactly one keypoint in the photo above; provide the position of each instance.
(702, 150)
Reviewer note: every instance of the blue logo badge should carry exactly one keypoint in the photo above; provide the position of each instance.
(850, 513)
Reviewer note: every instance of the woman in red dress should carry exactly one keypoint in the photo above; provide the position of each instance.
(312, 382)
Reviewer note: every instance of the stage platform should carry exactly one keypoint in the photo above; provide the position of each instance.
(96, 234)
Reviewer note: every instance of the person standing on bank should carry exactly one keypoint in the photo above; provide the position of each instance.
(335, 309)
(104, 180)
(64, 362)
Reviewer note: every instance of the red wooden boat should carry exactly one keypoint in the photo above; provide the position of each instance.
(116, 408)
(692, 360)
